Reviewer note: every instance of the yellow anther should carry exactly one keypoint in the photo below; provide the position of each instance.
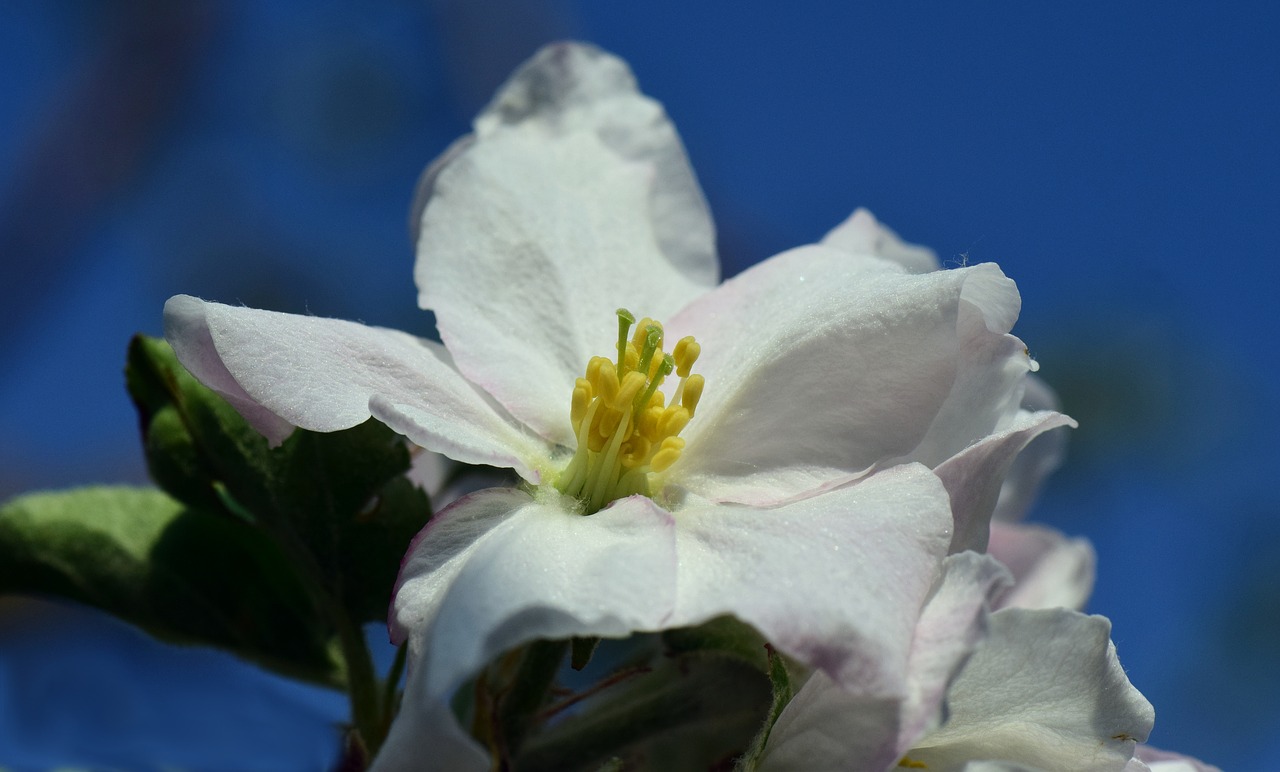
(594, 366)
(642, 333)
(632, 384)
(611, 420)
(647, 424)
(595, 440)
(635, 451)
(632, 358)
(686, 353)
(606, 382)
(582, 394)
(673, 421)
(692, 392)
(656, 365)
(668, 453)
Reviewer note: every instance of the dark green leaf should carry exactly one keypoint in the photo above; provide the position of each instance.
(723, 635)
(180, 573)
(782, 694)
(338, 503)
(691, 712)
(581, 651)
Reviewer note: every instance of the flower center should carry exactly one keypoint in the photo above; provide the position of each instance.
(627, 434)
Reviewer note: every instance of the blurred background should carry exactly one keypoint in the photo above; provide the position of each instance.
(1120, 162)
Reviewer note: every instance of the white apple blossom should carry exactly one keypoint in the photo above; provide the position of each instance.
(1043, 690)
(839, 416)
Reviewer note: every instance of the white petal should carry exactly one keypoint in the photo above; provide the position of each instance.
(282, 370)
(974, 476)
(1047, 691)
(499, 568)
(819, 367)
(862, 234)
(833, 580)
(425, 737)
(827, 727)
(1164, 761)
(1036, 461)
(951, 625)
(529, 245)
(1049, 569)
(575, 87)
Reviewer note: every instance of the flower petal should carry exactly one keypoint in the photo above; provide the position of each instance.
(862, 234)
(434, 744)
(282, 370)
(819, 367)
(1165, 761)
(528, 247)
(827, 727)
(1049, 570)
(499, 568)
(950, 627)
(574, 199)
(833, 580)
(974, 476)
(572, 87)
(1036, 461)
(1046, 690)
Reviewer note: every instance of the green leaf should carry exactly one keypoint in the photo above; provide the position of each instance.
(691, 712)
(782, 694)
(181, 573)
(581, 651)
(724, 635)
(338, 503)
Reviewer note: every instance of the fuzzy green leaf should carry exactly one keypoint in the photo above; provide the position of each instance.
(183, 574)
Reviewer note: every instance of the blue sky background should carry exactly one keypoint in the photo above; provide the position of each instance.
(1119, 162)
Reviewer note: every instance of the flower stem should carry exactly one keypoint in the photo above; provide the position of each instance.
(362, 683)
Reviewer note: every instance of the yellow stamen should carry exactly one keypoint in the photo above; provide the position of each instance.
(686, 353)
(628, 428)
(691, 392)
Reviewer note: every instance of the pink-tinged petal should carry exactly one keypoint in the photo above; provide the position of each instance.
(950, 627)
(529, 245)
(1045, 690)
(829, 727)
(974, 476)
(1036, 461)
(500, 568)
(825, 579)
(575, 87)
(1049, 570)
(282, 370)
(820, 367)
(1165, 761)
(863, 234)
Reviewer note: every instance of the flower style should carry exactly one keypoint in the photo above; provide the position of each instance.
(840, 416)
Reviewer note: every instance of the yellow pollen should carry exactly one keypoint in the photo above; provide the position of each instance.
(627, 429)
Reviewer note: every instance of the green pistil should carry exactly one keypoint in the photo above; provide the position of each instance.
(664, 369)
(651, 340)
(625, 320)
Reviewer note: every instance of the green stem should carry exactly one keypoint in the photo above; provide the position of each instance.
(391, 686)
(362, 682)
